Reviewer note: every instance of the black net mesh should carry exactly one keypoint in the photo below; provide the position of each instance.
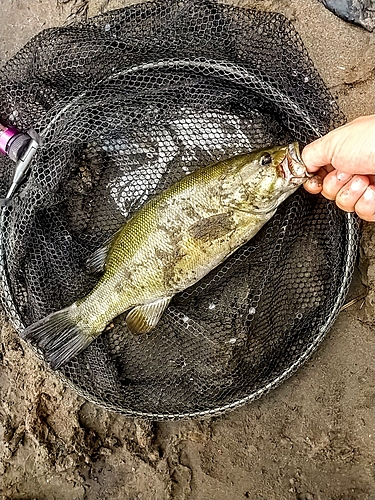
(126, 104)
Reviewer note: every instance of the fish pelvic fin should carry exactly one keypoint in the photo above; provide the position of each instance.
(142, 319)
(61, 336)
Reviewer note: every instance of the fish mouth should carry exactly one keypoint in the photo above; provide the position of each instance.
(292, 168)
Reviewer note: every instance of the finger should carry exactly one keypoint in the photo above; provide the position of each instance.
(350, 194)
(365, 206)
(333, 182)
(314, 185)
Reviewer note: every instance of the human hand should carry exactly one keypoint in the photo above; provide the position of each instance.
(344, 161)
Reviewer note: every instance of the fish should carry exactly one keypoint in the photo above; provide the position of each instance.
(169, 244)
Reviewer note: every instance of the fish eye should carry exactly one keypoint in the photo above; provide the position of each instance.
(266, 159)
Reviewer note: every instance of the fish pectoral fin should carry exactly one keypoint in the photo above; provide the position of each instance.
(142, 319)
(95, 264)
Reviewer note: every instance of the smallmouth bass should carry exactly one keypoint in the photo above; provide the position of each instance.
(172, 242)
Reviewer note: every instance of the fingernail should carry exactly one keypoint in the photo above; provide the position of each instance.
(358, 184)
(369, 194)
(342, 176)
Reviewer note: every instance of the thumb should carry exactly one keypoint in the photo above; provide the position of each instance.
(317, 154)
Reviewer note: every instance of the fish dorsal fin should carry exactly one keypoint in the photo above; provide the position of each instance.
(142, 319)
(95, 264)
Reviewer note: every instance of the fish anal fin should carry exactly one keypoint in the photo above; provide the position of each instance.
(142, 319)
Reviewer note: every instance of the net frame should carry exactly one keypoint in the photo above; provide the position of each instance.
(235, 74)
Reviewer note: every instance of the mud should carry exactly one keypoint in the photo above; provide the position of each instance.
(310, 439)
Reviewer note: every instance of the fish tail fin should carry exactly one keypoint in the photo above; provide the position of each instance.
(61, 336)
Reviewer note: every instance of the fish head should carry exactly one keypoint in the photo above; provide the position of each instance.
(265, 178)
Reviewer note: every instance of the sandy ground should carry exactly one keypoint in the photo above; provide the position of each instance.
(310, 439)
